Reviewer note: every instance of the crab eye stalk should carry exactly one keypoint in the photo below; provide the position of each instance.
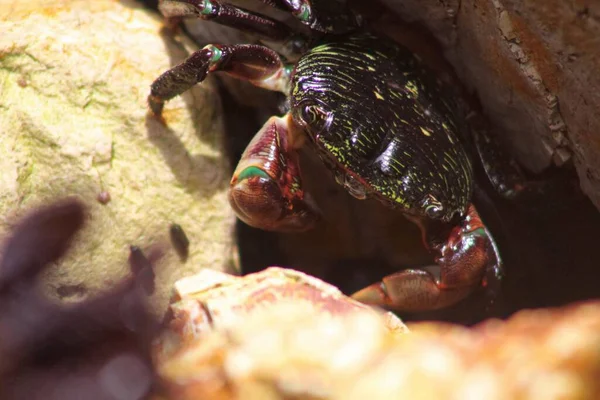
(315, 118)
(325, 16)
(432, 207)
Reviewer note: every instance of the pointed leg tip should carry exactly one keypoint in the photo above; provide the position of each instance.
(156, 106)
(374, 295)
(155, 109)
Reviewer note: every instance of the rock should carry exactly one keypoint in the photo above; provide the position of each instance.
(533, 66)
(74, 76)
(280, 334)
(274, 334)
(543, 353)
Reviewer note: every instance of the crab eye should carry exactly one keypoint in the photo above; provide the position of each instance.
(433, 207)
(315, 118)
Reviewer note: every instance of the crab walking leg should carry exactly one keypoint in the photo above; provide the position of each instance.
(320, 16)
(266, 188)
(464, 256)
(502, 171)
(280, 4)
(225, 14)
(257, 64)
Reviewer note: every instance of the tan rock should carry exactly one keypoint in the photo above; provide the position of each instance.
(272, 334)
(74, 76)
(280, 334)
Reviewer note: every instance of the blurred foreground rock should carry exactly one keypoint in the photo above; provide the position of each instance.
(273, 334)
(74, 76)
(280, 334)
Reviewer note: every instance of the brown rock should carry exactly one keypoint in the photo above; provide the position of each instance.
(532, 64)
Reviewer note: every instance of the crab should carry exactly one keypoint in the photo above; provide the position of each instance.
(376, 116)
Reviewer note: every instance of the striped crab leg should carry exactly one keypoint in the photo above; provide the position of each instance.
(266, 189)
(257, 64)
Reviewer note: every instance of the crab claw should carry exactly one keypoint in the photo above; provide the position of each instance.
(411, 290)
(266, 189)
(467, 257)
(260, 202)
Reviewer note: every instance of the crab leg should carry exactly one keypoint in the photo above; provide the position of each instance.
(266, 188)
(280, 4)
(320, 16)
(257, 64)
(502, 171)
(464, 256)
(226, 14)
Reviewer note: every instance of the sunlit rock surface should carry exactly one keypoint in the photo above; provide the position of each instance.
(74, 76)
(281, 334)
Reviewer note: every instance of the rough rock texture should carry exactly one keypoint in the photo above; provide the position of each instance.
(536, 354)
(280, 334)
(74, 76)
(533, 64)
(268, 335)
